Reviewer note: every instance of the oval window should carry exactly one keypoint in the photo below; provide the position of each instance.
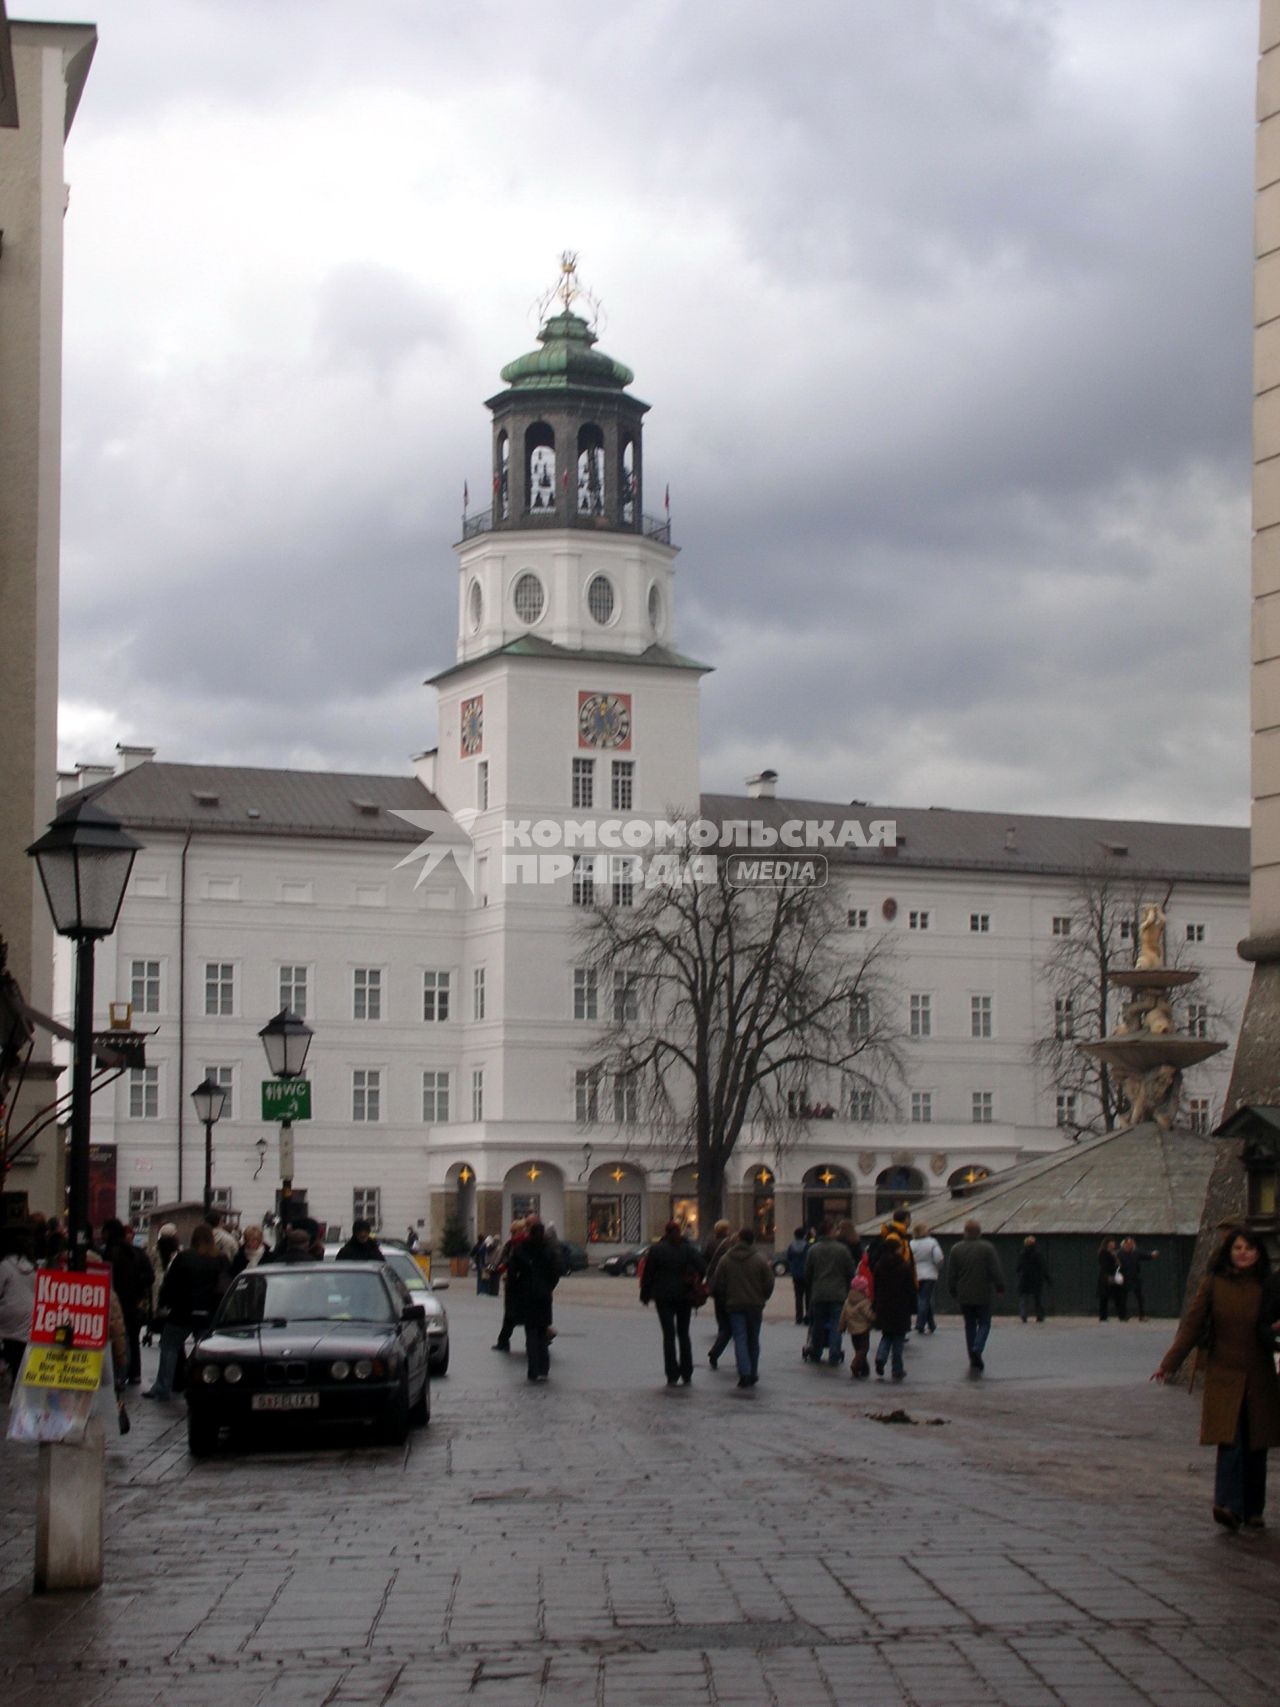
(475, 606)
(600, 600)
(528, 598)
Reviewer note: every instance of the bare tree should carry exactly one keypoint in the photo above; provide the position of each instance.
(1096, 936)
(733, 1007)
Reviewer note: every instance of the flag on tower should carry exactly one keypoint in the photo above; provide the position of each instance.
(466, 495)
(667, 500)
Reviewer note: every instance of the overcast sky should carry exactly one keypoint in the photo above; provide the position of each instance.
(942, 307)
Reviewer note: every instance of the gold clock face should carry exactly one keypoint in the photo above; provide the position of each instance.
(604, 720)
(472, 726)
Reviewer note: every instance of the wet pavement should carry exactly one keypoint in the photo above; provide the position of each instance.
(1041, 1535)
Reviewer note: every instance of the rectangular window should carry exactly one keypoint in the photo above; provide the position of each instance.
(623, 785)
(1067, 1104)
(1128, 933)
(862, 1105)
(142, 1200)
(219, 987)
(585, 993)
(980, 922)
(626, 1098)
(293, 989)
(1198, 1115)
(624, 880)
(435, 1097)
(922, 1107)
(626, 997)
(366, 1205)
(797, 1103)
(584, 880)
(477, 992)
(918, 921)
(144, 1093)
(221, 1197)
(859, 1014)
(980, 1016)
(1197, 1019)
(1061, 924)
(586, 1095)
(144, 986)
(482, 784)
(1064, 1017)
(477, 1093)
(857, 917)
(367, 993)
(922, 1016)
(1195, 933)
(224, 1078)
(366, 1094)
(983, 1107)
(435, 996)
(584, 783)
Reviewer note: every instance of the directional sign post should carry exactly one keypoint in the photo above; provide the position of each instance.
(286, 1099)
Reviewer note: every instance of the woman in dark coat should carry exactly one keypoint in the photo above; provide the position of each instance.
(1110, 1289)
(672, 1268)
(1233, 1320)
(895, 1305)
(532, 1277)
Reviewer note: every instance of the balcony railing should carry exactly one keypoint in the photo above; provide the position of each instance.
(652, 527)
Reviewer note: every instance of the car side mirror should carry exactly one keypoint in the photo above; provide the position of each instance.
(414, 1313)
(439, 1285)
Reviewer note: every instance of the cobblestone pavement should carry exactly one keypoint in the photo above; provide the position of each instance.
(1040, 1536)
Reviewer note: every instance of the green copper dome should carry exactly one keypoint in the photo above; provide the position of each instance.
(566, 359)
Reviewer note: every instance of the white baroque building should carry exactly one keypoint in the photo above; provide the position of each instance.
(452, 1039)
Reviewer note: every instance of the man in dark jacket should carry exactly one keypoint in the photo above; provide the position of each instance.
(828, 1269)
(974, 1278)
(132, 1277)
(361, 1246)
(744, 1284)
(189, 1294)
(672, 1267)
(1131, 1261)
(532, 1278)
(714, 1251)
(1033, 1277)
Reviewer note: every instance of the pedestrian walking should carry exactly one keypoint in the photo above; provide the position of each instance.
(1131, 1260)
(717, 1245)
(895, 1306)
(1233, 1320)
(532, 1278)
(253, 1250)
(673, 1271)
(132, 1279)
(194, 1282)
(361, 1246)
(1033, 1277)
(744, 1284)
(828, 1269)
(17, 1300)
(514, 1238)
(857, 1319)
(974, 1279)
(926, 1254)
(1110, 1281)
(796, 1253)
(226, 1241)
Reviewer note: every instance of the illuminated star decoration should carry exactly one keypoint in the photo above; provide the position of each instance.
(534, 1171)
(618, 1175)
(465, 1175)
(764, 1177)
(826, 1176)
(445, 839)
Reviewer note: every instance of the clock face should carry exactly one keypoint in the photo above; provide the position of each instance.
(604, 720)
(472, 726)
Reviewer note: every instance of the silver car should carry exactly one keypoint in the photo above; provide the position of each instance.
(422, 1291)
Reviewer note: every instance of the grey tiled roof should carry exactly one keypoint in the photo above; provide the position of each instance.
(241, 800)
(1142, 1181)
(939, 837)
(533, 646)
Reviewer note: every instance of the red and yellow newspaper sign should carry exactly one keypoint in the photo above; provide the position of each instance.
(68, 1330)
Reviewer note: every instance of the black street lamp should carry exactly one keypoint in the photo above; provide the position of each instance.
(209, 1100)
(286, 1039)
(84, 859)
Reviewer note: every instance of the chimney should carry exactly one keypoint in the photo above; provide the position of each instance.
(88, 775)
(127, 758)
(764, 786)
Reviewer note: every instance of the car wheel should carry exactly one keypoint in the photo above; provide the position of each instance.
(395, 1428)
(779, 1266)
(420, 1414)
(440, 1365)
(629, 1268)
(202, 1436)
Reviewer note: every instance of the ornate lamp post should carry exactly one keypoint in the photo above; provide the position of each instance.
(209, 1100)
(84, 859)
(286, 1039)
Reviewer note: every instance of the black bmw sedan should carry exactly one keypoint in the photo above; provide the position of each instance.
(310, 1343)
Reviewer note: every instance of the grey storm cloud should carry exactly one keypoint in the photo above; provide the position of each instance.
(943, 311)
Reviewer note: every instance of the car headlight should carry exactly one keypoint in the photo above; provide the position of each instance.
(340, 1370)
(232, 1373)
(209, 1373)
(364, 1369)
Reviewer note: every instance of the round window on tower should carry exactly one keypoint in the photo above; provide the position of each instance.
(528, 598)
(600, 600)
(655, 608)
(475, 606)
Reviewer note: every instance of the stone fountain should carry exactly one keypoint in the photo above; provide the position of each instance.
(1146, 1053)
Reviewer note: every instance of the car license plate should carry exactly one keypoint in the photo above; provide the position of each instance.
(286, 1402)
